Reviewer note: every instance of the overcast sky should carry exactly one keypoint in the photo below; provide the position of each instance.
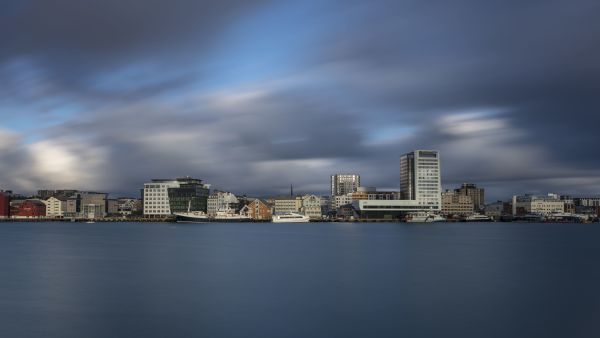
(253, 96)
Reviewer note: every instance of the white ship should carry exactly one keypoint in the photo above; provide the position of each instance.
(424, 218)
(290, 218)
(478, 218)
(230, 216)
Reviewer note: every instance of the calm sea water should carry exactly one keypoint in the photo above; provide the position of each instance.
(299, 280)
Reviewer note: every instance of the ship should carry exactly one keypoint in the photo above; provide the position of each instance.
(424, 218)
(228, 215)
(478, 218)
(290, 218)
(191, 216)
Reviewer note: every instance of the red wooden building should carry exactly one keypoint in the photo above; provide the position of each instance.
(4, 205)
(30, 209)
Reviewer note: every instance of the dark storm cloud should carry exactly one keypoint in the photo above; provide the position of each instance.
(72, 41)
(536, 62)
(508, 91)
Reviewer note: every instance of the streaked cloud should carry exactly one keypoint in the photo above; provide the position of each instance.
(255, 95)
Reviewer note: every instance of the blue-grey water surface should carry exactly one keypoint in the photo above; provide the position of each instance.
(299, 280)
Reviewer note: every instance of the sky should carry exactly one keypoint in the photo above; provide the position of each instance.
(252, 96)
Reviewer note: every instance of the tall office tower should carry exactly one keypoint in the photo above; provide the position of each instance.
(420, 178)
(477, 194)
(342, 184)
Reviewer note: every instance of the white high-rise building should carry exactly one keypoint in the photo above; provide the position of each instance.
(420, 178)
(342, 184)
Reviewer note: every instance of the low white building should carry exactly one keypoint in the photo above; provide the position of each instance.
(55, 207)
(311, 206)
(128, 206)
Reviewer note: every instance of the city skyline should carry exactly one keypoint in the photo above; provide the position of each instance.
(253, 96)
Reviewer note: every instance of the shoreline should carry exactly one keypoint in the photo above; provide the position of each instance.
(172, 220)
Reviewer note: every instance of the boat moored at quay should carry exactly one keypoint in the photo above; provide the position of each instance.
(290, 218)
(424, 218)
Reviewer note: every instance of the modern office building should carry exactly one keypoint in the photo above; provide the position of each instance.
(420, 189)
(477, 194)
(342, 184)
(163, 197)
(420, 178)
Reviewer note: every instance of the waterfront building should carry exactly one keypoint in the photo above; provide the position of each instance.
(342, 184)
(498, 209)
(112, 206)
(311, 206)
(4, 204)
(476, 194)
(162, 197)
(371, 193)
(325, 205)
(362, 193)
(31, 208)
(221, 201)
(92, 210)
(286, 204)
(258, 209)
(128, 206)
(455, 203)
(346, 212)
(56, 206)
(569, 203)
(341, 200)
(539, 205)
(86, 204)
(587, 201)
(389, 209)
(420, 178)
(420, 189)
